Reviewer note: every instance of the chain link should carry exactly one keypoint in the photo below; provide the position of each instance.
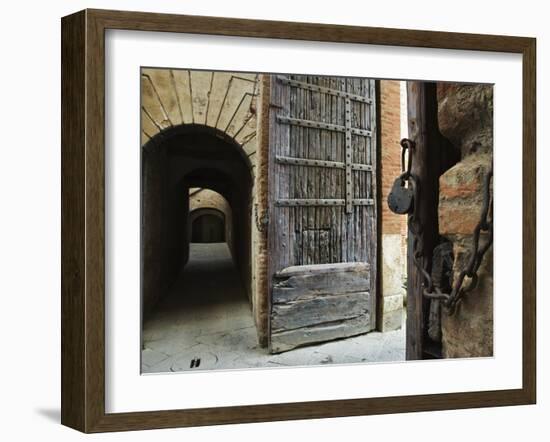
(485, 224)
(406, 145)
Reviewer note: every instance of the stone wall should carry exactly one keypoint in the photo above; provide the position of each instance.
(466, 119)
(260, 304)
(393, 253)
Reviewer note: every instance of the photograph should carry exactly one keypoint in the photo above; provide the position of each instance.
(295, 220)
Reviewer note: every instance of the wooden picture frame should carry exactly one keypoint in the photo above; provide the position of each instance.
(83, 217)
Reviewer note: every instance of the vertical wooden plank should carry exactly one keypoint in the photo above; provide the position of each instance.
(358, 148)
(357, 210)
(295, 150)
(314, 171)
(358, 251)
(272, 189)
(348, 157)
(320, 212)
(329, 154)
(292, 246)
(277, 110)
(367, 216)
(324, 246)
(335, 185)
(340, 117)
(327, 185)
(284, 176)
(373, 182)
(310, 172)
(423, 130)
(349, 218)
(302, 171)
(320, 172)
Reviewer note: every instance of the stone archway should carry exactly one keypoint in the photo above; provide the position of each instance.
(230, 104)
(224, 102)
(220, 100)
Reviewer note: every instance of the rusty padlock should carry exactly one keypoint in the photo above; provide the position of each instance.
(400, 198)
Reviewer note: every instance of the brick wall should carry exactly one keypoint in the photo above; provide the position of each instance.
(390, 132)
(393, 228)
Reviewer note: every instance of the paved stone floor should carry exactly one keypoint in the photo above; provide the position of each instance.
(207, 315)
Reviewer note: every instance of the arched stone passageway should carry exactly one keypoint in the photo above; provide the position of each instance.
(231, 105)
(174, 161)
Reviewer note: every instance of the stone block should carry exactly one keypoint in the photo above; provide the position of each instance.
(392, 320)
(466, 115)
(392, 303)
(469, 332)
(392, 313)
(393, 265)
(461, 195)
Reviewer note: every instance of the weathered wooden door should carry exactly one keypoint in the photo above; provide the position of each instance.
(322, 193)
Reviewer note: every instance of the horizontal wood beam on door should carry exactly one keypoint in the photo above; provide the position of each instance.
(321, 125)
(322, 89)
(323, 202)
(321, 163)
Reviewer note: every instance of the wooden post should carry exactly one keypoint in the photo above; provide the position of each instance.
(426, 167)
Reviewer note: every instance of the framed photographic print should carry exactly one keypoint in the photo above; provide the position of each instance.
(269, 220)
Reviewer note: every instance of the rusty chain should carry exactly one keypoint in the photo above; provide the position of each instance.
(485, 224)
(450, 300)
